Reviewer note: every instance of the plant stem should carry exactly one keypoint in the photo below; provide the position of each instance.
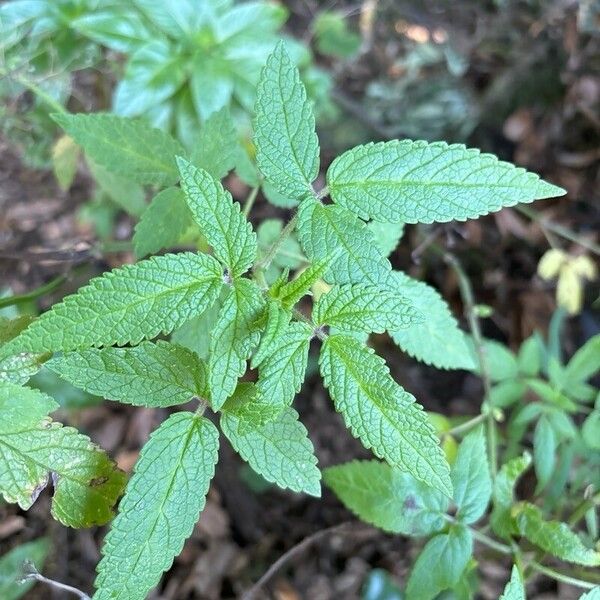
(583, 507)
(490, 543)
(466, 425)
(588, 585)
(30, 572)
(264, 263)
(249, 203)
(41, 291)
(467, 295)
(564, 232)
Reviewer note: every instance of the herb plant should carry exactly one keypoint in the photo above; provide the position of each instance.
(109, 338)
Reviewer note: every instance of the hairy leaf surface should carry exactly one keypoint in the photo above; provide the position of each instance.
(380, 412)
(420, 182)
(160, 508)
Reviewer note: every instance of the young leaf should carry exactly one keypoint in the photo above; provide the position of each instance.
(287, 148)
(163, 223)
(276, 323)
(282, 371)
(216, 147)
(150, 374)
(420, 182)
(544, 452)
(503, 495)
(437, 340)
(553, 536)
(33, 447)
(291, 292)
(234, 336)
(65, 156)
(160, 508)
(387, 235)
(471, 478)
(249, 408)
(380, 412)
(325, 230)
(280, 451)
(514, 589)
(219, 218)
(440, 564)
(126, 305)
(388, 498)
(364, 308)
(18, 368)
(125, 146)
(11, 567)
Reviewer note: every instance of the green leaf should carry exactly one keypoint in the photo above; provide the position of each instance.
(17, 368)
(544, 452)
(287, 148)
(216, 147)
(440, 564)
(195, 333)
(530, 357)
(11, 567)
(150, 374)
(333, 36)
(291, 292)
(584, 364)
(420, 182)
(590, 430)
(388, 498)
(65, 156)
(364, 308)
(125, 146)
(514, 589)
(124, 192)
(471, 478)
(280, 451)
(33, 448)
(126, 305)
(325, 230)
(233, 338)
(500, 361)
(387, 235)
(282, 370)
(249, 408)
(211, 85)
(591, 595)
(219, 218)
(553, 536)
(379, 412)
(276, 324)
(163, 500)
(437, 340)
(163, 223)
(503, 495)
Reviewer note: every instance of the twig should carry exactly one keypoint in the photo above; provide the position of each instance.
(249, 203)
(466, 425)
(30, 572)
(296, 550)
(264, 263)
(41, 291)
(467, 295)
(588, 585)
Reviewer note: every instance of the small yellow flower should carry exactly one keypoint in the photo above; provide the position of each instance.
(571, 272)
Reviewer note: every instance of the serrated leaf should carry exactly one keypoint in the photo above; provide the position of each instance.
(553, 536)
(216, 147)
(233, 338)
(387, 235)
(163, 223)
(249, 408)
(287, 148)
(11, 567)
(125, 146)
(282, 371)
(276, 323)
(219, 218)
(195, 333)
(65, 155)
(440, 564)
(325, 230)
(163, 500)
(279, 450)
(503, 494)
(380, 412)
(471, 478)
(437, 340)
(388, 498)
(18, 368)
(291, 292)
(126, 305)
(364, 308)
(34, 448)
(514, 589)
(421, 182)
(591, 595)
(151, 374)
